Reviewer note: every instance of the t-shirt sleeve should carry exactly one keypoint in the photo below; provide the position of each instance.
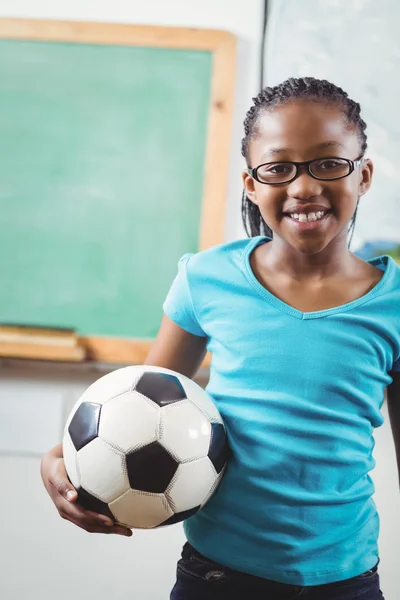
(178, 305)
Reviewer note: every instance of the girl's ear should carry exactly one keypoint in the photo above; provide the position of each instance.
(248, 184)
(366, 172)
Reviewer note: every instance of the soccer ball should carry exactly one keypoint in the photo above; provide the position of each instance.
(145, 446)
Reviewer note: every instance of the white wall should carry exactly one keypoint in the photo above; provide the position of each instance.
(356, 46)
(41, 556)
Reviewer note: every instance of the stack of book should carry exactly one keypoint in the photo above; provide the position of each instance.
(41, 343)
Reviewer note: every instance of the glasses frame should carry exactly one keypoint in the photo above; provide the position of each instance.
(352, 165)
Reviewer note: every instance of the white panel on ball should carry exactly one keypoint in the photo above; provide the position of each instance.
(141, 510)
(184, 431)
(192, 483)
(111, 385)
(200, 399)
(102, 470)
(69, 455)
(129, 421)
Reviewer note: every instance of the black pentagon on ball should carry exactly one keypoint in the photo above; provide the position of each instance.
(92, 503)
(162, 388)
(84, 425)
(181, 516)
(219, 449)
(150, 468)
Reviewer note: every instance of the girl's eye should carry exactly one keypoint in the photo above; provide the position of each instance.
(279, 169)
(275, 169)
(330, 164)
(276, 172)
(330, 168)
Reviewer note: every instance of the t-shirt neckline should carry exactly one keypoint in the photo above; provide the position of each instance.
(381, 262)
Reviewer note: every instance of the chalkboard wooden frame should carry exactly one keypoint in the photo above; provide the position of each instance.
(222, 45)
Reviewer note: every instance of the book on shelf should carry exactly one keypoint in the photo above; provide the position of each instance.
(42, 343)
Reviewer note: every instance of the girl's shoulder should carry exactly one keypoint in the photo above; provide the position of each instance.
(390, 267)
(386, 294)
(216, 257)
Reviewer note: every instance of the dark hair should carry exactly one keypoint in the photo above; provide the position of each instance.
(292, 89)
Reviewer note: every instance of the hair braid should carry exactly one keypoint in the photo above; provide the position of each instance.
(317, 90)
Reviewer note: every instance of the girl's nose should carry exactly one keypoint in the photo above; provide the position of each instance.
(304, 186)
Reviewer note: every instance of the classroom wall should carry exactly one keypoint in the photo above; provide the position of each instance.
(41, 556)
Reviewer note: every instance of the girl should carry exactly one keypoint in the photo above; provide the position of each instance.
(305, 337)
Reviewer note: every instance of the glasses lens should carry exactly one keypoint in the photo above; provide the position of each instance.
(276, 172)
(330, 168)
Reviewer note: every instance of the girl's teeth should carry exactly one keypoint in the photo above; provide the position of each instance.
(303, 218)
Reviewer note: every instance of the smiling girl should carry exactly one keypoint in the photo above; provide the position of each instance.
(305, 338)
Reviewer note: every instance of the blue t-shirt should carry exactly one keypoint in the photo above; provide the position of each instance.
(300, 394)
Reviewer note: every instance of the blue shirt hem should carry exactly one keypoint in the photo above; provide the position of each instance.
(288, 576)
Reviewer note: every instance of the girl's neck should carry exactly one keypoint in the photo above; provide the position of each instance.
(335, 260)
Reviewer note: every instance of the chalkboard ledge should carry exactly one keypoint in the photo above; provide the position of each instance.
(119, 350)
(29, 368)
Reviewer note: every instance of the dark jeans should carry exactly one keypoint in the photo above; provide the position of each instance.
(199, 578)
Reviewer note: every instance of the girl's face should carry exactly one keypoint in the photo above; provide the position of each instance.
(301, 131)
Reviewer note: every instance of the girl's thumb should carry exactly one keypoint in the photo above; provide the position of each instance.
(69, 493)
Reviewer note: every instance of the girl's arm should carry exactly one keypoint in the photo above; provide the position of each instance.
(176, 349)
(393, 399)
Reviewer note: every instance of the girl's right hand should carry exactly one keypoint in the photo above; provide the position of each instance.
(65, 497)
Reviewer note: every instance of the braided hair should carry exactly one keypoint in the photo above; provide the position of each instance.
(290, 90)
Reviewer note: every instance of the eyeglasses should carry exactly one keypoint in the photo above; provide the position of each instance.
(325, 169)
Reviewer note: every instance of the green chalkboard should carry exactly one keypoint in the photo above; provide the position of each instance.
(101, 180)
